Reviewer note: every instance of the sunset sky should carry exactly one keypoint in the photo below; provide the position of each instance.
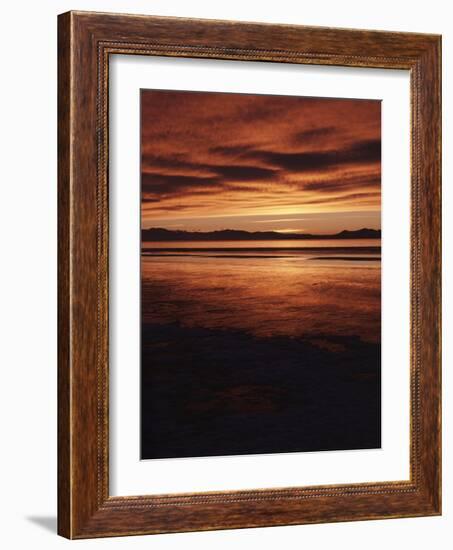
(258, 163)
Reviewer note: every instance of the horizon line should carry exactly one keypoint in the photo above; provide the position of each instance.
(244, 233)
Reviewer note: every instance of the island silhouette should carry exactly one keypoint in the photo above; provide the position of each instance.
(162, 234)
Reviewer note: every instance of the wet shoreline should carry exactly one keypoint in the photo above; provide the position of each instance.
(212, 392)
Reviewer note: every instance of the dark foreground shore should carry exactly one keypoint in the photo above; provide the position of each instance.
(212, 392)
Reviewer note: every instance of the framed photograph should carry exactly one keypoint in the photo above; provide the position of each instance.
(249, 275)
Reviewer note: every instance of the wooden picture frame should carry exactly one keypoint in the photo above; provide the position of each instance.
(85, 42)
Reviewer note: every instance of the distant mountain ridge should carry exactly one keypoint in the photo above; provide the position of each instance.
(161, 234)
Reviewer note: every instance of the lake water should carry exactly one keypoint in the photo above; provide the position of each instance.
(266, 288)
(260, 347)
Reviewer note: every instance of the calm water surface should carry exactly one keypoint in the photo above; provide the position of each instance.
(260, 347)
(311, 289)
